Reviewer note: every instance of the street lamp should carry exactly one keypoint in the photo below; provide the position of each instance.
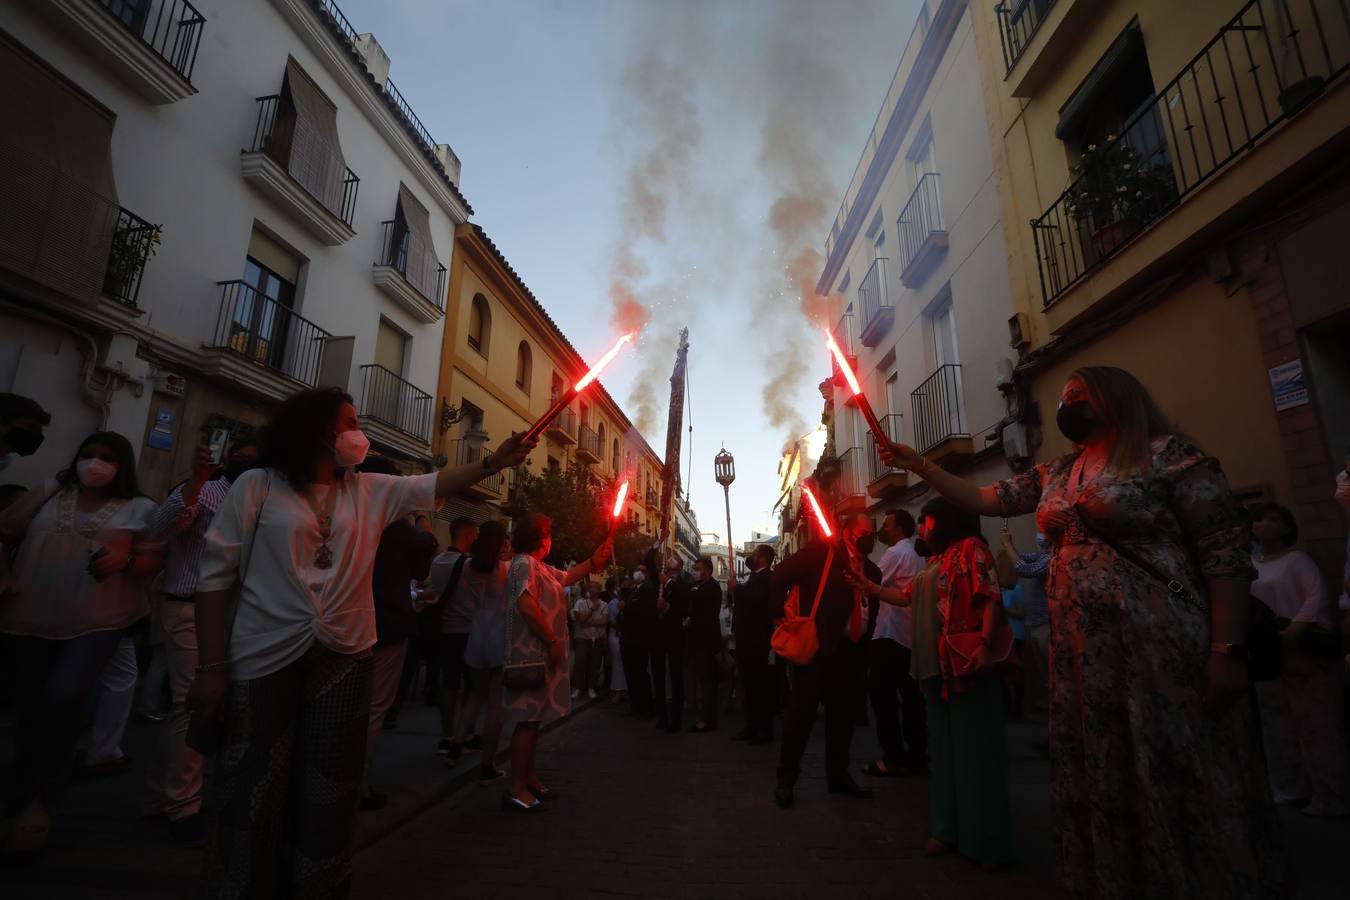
(724, 466)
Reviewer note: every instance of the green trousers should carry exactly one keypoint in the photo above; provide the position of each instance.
(968, 787)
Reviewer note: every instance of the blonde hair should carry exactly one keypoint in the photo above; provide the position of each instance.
(1127, 411)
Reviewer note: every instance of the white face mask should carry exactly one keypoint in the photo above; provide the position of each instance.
(95, 472)
(350, 448)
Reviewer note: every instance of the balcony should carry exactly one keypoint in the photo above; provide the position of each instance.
(394, 412)
(563, 429)
(1018, 23)
(1261, 68)
(923, 237)
(150, 44)
(874, 297)
(854, 475)
(409, 273)
(262, 344)
(588, 446)
(940, 430)
(292, 163)
(885, 479)
(464, 452)
(134, 242)
(653, 498)
(845, 337)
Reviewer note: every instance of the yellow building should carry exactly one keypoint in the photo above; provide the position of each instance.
(503, 362)
(1174, 183)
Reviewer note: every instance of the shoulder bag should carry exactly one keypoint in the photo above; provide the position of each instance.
(796, 638)
(1265, 652)
(521, 674)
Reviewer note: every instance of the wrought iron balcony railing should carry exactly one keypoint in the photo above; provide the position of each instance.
(304, 152)
(589, 442)
(920, 226)
(416, 262)
(874, 296)
(395, 402)
(1018, 22)
(939, 409)
(170, 28)
(1264, 65)
(265, 332)
(892, 426)
(463, 453)
(853, 473)
(134, 242)
(845, 335)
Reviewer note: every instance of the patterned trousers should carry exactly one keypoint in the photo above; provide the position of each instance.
(282, 805)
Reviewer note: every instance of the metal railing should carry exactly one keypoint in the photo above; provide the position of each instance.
(919, 220)
(1018, 22)
(653, 498)
(409, 117)
(1265, 64)
(875, 298)
(566, 421)
(395, 402)
(134, 242)
(892, 425)
(463, 453)
(416, 262)
(939, 408)
(170, 28)
(337, 19)
(267, 333)
(322, 175)
(589, 442)
(845, 335)
(853, 472)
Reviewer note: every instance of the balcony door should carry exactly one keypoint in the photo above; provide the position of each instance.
(946, 387)
(262, 312)
(923, 159)
(382, 394)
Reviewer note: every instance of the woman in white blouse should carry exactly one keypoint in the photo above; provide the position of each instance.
(1301, 710)
(290, 677)
(86, 551)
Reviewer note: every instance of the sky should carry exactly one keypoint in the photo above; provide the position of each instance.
(664, 165)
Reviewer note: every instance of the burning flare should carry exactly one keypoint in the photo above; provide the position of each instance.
(819, 513)
(842, 362)
(594, 373)
(618, 501)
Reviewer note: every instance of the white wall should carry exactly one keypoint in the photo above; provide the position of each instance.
(178, 166)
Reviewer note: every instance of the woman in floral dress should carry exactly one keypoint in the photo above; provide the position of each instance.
(536, 632)
(1158, 789)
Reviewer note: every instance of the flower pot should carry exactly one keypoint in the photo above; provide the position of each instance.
(1107, 238)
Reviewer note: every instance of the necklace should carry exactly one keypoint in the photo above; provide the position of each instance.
(323, 555)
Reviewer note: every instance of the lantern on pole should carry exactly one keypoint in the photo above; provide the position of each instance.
(724, 467)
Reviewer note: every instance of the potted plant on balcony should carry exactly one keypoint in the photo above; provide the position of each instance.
(1114, 191)
(131, 249)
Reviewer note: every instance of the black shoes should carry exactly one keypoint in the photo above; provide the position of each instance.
(782, 796)
(850, 788)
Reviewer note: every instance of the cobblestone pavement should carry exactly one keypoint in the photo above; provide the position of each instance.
(644, 814)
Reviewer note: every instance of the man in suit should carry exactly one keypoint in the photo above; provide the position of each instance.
(834, 677)
(668, 646)
(705, 641)
(753, 627)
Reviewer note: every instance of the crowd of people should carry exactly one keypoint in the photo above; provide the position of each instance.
(1190, 656)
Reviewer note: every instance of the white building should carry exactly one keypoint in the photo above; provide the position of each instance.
(918, 254)
(686, 531)
(717, 552)
(304, 220)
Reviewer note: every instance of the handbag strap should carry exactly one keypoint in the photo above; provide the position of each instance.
(1178, 590)
(824, 576)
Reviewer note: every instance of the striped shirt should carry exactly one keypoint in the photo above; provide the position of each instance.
(185, 527)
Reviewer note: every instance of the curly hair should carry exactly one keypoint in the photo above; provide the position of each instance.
(299, 433)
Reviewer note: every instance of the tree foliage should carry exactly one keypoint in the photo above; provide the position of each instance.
(579, 503)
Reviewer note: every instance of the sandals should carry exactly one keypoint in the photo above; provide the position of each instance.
(547, 795)
(511, 804)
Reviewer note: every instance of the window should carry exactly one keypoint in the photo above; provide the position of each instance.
(922, 157)
(1113, 92)
(600, 440)
(614, 455)
(555, 387)
(471, 416)
(524, 367)
(553, 464)
(585, 416)
(261, 318)
(480, 324)
(391, 347)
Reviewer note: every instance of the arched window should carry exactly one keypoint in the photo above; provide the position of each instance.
(615, 456)
(524, 367)
(600, 440)
(480, 324)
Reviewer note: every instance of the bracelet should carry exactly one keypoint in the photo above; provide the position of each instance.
(213, 667)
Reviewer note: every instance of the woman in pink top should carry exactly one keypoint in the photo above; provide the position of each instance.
(1300, 711)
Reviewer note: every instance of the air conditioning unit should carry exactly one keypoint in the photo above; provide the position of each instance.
(1016, 441)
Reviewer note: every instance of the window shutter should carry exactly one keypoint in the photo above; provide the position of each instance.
(422, 264)
(57, 194)
(315, 157)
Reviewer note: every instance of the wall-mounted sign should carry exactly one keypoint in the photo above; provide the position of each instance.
(1289, 385)
(161, 435)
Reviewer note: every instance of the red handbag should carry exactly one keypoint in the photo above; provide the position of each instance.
(796, 639)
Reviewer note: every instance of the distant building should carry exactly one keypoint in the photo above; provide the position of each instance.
(686, 532)
(718, 554)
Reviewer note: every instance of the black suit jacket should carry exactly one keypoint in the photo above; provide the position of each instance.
(705, 608)
(750, 619)
(803, 570)
(670, 621)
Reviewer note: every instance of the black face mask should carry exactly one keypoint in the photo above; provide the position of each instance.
(921, 547)
(24, 441)
(1076, 420)
(865, 544)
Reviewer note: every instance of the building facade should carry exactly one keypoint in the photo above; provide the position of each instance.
(686, 531)
(918, 256)
(503, 363)
(1185, 170)
(208, 206)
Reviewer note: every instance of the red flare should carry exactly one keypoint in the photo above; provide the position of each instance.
(594, 373)
(618, 502)
(819, 513)
(842, 361)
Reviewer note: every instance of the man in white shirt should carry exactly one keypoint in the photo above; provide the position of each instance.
(896, 699)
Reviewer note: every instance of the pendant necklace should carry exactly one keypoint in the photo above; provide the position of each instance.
(323, 556)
